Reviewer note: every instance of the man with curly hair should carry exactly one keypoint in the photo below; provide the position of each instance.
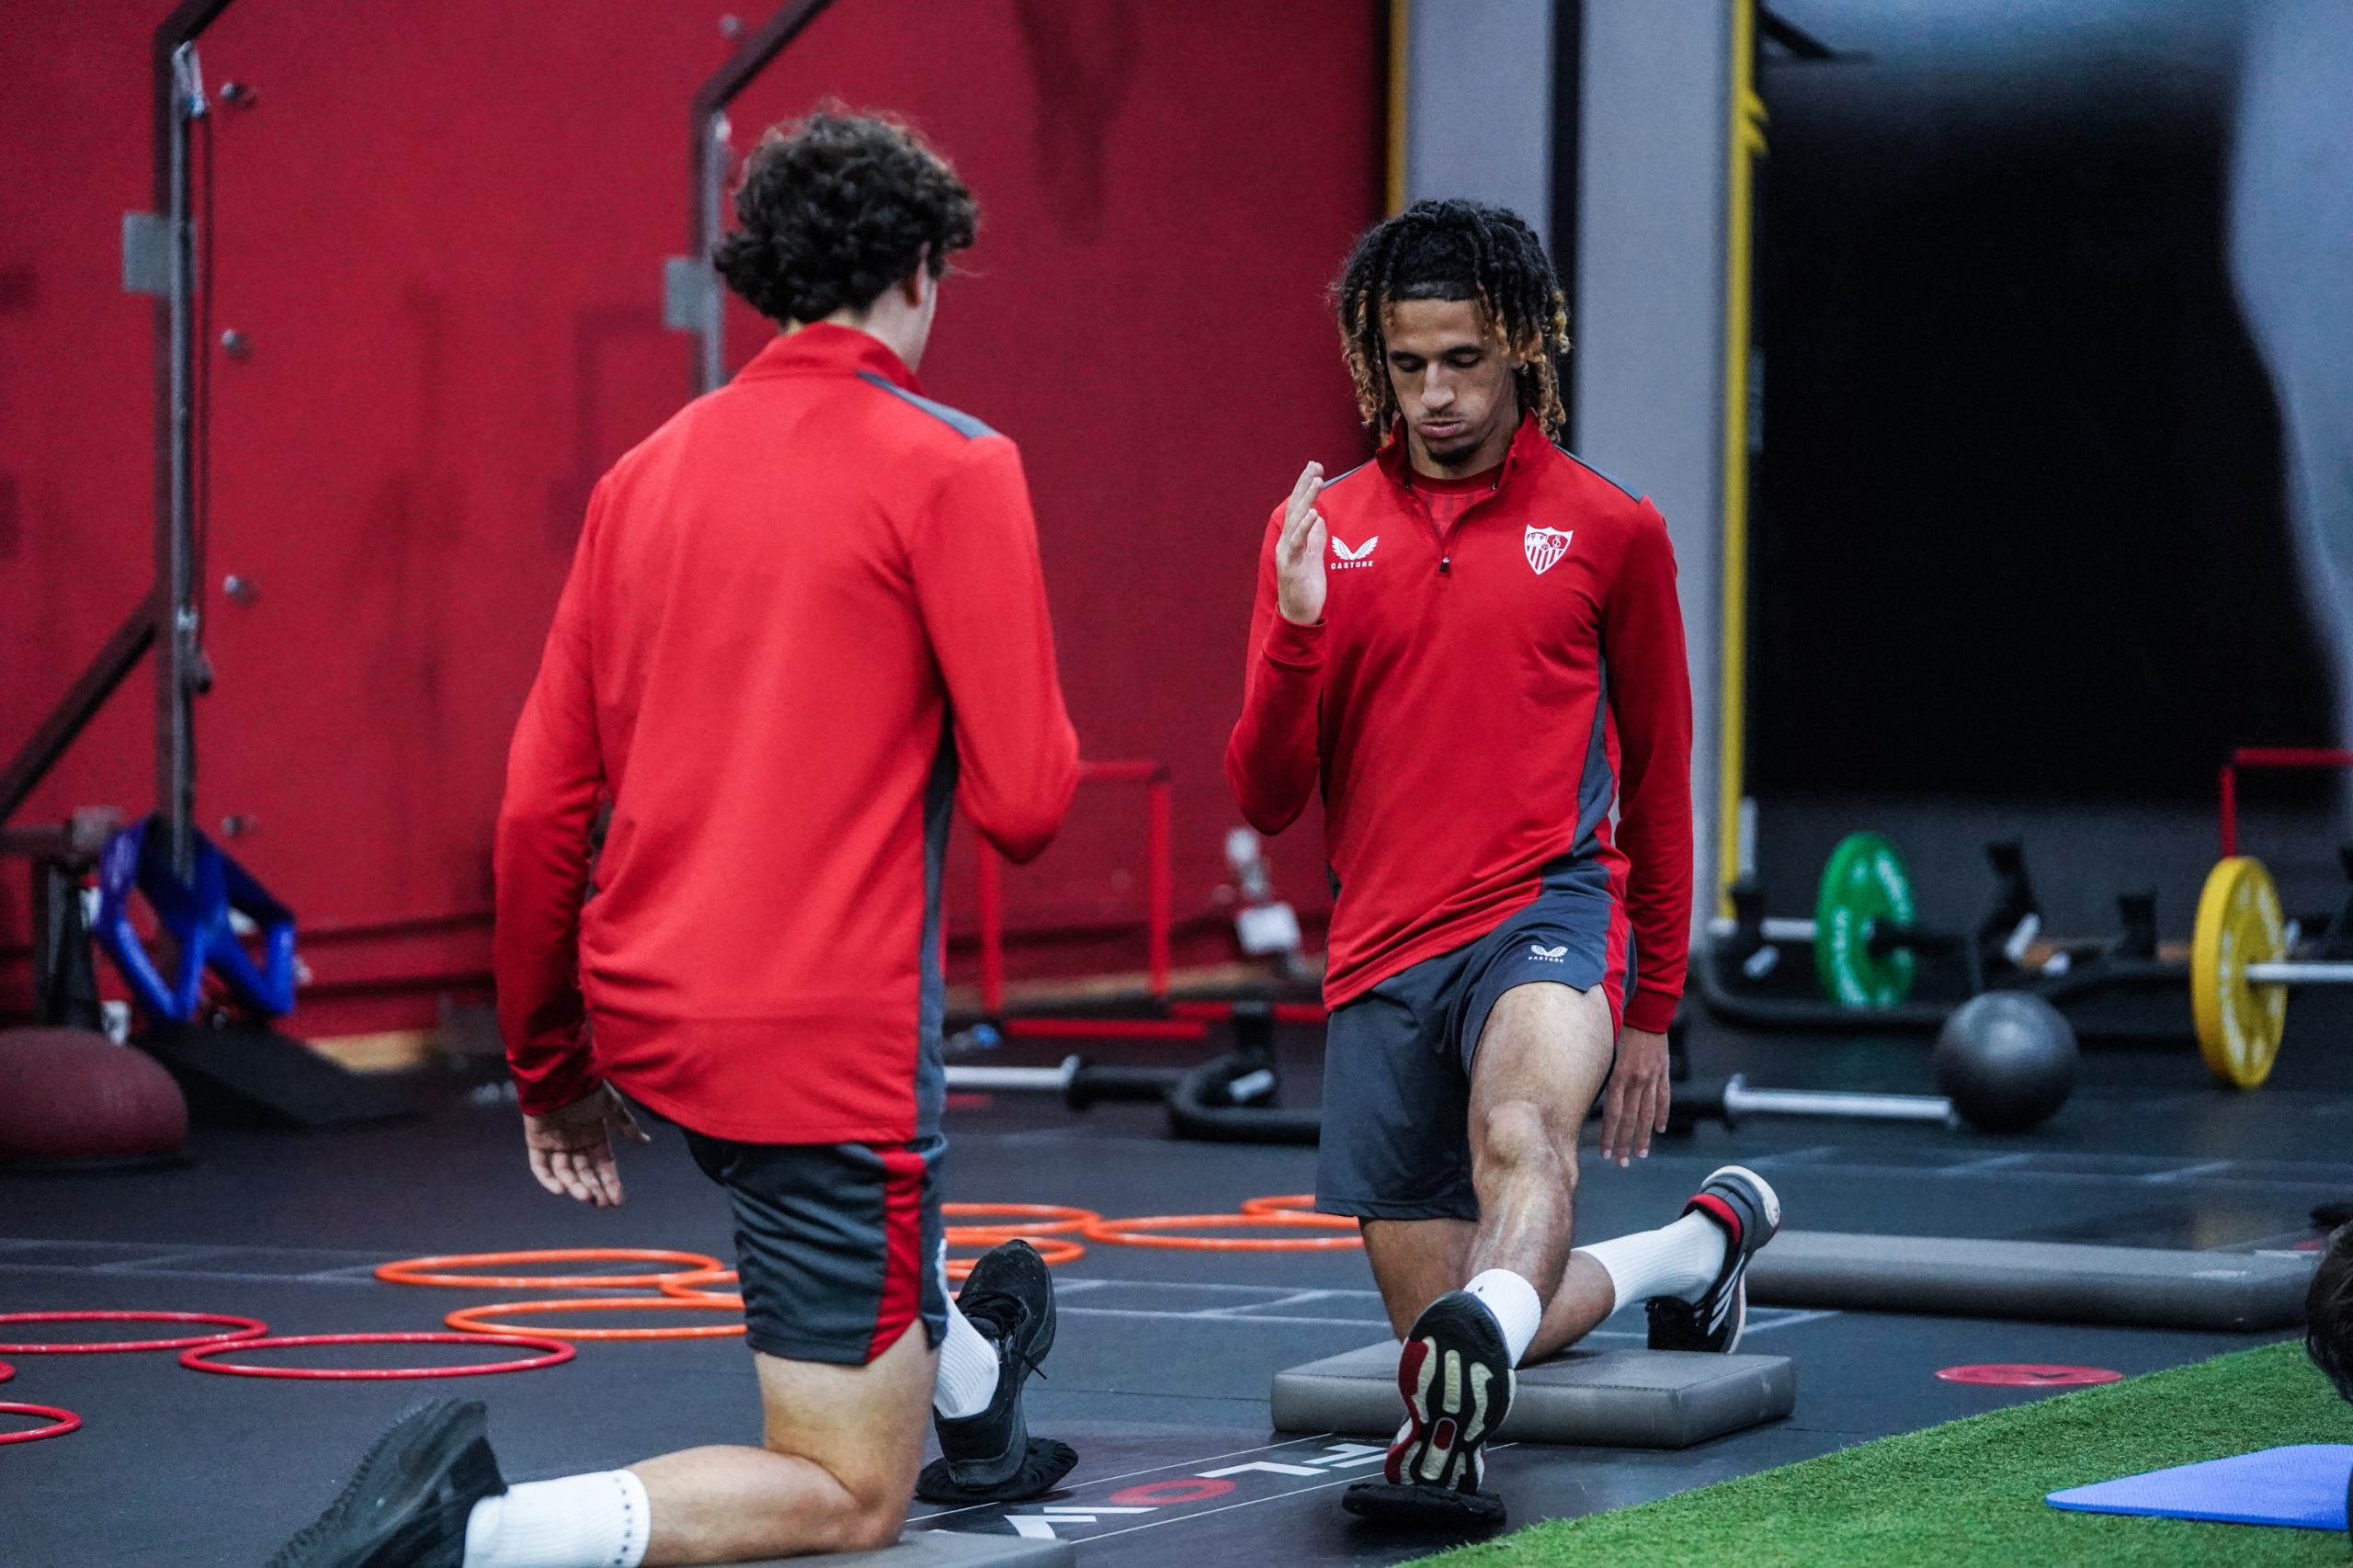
(805, 617)
(1472, 646)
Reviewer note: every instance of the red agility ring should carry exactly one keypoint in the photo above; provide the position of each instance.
(6, 1371)
(553, 1353)
(477, 1320)
(60, 1422)
(1288, 1203)
(1141, 1233)
(2029, 1375)
(433, 1271)
(241, 1329)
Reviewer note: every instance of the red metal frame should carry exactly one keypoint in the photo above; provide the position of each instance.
(2267, 756)
(1154, 777)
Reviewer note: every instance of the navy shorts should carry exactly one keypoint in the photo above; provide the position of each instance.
(838, 1245)
(1396, 1142)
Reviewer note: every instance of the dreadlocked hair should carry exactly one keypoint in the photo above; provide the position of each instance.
(1455, 250)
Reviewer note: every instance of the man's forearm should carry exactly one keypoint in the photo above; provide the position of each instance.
(1271, 761)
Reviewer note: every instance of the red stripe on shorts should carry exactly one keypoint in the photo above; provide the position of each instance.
(903, 1176)
(1615, 980)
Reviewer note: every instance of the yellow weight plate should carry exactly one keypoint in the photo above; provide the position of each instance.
(2239, 923)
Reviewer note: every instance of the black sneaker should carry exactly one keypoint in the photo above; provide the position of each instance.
(407, 1503)
(991, 1458)
(1455, 1374)
(1740, 1201)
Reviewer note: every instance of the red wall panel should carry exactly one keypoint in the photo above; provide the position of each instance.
(440, 226)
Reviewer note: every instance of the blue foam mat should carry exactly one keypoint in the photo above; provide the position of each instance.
(2303, 1486)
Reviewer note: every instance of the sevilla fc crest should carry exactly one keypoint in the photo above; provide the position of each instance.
(1545, 548)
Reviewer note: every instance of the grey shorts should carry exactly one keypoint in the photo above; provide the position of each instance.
(1396, 1142)
(837, 1244)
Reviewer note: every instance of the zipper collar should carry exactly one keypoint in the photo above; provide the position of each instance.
(1396, 461)
(1527, 444)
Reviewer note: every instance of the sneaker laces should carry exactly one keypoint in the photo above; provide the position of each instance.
(1000, 1316)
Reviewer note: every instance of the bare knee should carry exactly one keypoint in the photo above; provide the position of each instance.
(875, 1525)
(868, 1519)
(859, 1505)
(1516, 1142)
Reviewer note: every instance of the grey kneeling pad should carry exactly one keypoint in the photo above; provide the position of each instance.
(2040, 1281)
(946, 1548)
(1620, 1398)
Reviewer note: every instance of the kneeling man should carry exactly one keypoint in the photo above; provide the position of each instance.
(1471, 646)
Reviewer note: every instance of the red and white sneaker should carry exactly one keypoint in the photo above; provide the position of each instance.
(1744, 1205)
(1455, 1374)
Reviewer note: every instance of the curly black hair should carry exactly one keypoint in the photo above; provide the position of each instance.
(836, 208)
(2328, 1313)
(1455, 250)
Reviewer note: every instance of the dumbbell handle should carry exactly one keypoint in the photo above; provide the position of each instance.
(1048, 1080)
(2293, 974)
(1740, 1100)
(1080, 1082)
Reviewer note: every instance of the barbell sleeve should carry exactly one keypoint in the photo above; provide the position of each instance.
(2291, 972)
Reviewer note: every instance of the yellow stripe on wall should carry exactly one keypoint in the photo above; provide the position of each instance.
(1747, 119)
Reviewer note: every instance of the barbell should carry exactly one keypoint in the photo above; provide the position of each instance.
(1733, 1101)
(1863, 936)
(2240, 971)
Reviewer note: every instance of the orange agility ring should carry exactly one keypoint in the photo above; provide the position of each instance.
(689, 1287)
(239, 1328)
(1144, 1233)
(430, 1270)
(478, 1320)
(552, 1352)
(1289, 1203)
(1058, 1220)
(1052, 1250)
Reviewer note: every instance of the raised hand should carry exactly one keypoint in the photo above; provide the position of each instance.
(1298, 551)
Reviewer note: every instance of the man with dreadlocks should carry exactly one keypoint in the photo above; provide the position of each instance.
(1473, 644)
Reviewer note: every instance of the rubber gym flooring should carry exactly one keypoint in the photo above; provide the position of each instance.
(1161, 1372)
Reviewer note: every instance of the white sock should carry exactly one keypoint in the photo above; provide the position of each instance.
(1681, 1259)
(966, 1379)
(580, 1521)
(1516, 1305)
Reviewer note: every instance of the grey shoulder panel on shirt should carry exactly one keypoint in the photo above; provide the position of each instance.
(1350, 475)
(956, 419)
(1629, 492)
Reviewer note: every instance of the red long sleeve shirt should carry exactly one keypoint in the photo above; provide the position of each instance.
(804, 616)
(1480, 704)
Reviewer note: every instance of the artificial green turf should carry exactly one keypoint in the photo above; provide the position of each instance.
(1971, 1491)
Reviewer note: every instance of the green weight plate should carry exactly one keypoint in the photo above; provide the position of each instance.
(1863, 885)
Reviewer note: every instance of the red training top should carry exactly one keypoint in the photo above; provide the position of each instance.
(1477, 699)
(802, 612)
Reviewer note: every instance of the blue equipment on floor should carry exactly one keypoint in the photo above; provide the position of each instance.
(2304, 1486)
